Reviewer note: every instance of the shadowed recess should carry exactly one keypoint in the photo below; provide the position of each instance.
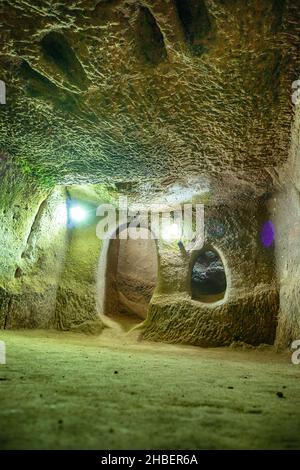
(150, 39)
(56, 49)
(208, 277)
(196, 23)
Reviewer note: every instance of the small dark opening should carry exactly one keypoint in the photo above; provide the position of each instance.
(196, 23)
(56, 48)
(150, 39)
(208, 277)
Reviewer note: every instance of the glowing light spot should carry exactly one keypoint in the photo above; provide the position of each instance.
(267, 235)
(77, 214)
(171, 232)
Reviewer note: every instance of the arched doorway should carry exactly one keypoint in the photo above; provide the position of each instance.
(208, 280)
(131, 273)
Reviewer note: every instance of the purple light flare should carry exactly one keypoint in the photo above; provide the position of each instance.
(267, 234)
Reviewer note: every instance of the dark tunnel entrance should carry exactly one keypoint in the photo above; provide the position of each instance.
(131, 279)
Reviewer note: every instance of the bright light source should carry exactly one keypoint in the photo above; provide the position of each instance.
(77, 214)
(171, 232)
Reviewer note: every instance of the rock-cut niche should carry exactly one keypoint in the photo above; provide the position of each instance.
(208, 283)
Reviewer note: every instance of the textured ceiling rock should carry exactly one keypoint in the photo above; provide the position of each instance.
(146, 94)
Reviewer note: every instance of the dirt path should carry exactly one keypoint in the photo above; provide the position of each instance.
(71, 391)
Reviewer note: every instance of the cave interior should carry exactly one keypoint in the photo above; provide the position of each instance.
(166, 104)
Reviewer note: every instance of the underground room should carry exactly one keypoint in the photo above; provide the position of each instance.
(149, 227)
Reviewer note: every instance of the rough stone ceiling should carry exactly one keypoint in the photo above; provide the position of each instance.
(149, 93)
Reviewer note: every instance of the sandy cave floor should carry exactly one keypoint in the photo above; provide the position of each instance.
(71, 391)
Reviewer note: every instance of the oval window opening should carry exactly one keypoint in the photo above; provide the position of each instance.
(208, 277)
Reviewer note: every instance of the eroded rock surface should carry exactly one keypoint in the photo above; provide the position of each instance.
(166, 101)
(154, 91)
